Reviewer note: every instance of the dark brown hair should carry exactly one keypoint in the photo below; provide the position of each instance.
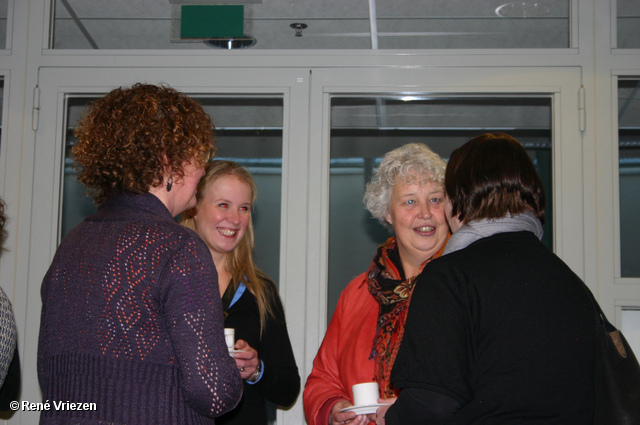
(491, 176)
(130, 137)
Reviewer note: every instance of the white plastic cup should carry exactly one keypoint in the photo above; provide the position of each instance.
(230, 337)
(365, 394)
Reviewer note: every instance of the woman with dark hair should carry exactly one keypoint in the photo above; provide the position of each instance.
(252, 307)
(500, 330)
(131, 314)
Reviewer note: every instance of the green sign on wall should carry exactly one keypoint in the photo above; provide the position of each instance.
(207, 21)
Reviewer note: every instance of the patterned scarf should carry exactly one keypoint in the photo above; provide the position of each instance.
(392, 291)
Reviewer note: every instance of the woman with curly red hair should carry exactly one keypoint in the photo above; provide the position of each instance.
(130, 318)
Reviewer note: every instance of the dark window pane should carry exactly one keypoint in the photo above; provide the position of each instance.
(364, 129)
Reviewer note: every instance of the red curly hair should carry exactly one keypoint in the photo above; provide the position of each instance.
(130, 137)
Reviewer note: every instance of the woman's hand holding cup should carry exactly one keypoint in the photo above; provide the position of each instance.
(247, 359)
(364, 394)
(336, 417)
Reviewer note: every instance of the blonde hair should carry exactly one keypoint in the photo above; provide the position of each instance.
(240, 262)
(402, 165)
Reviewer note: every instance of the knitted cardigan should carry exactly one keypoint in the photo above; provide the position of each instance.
(132, 323)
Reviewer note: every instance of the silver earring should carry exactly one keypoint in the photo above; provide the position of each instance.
(170, 183)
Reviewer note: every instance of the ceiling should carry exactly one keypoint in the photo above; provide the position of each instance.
(330, 24)
(340, 24)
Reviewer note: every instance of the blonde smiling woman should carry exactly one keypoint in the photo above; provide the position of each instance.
(226, 196)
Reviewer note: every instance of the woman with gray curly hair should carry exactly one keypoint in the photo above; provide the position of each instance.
(407, 196)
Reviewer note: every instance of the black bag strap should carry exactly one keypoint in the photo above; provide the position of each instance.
(601, 319)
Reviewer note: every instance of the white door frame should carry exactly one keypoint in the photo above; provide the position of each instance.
(305, 180)
(561, 83)
(55, 84)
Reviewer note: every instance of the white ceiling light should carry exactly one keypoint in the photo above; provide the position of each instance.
(231, 43)
(212, 2)
(522, 9)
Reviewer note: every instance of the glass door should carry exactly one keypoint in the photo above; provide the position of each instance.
(314, 139)
(628, 114)
(362, 114)
(629, 175)
(364, 128)
(248, 131)
(251, 113)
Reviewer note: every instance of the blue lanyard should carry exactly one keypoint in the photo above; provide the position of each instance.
(238, 294)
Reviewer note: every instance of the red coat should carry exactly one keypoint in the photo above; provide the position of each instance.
(343, 358)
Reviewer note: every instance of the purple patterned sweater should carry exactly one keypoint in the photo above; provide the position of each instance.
(132, 322)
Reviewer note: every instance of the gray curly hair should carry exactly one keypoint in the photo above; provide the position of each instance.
(402, 164)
